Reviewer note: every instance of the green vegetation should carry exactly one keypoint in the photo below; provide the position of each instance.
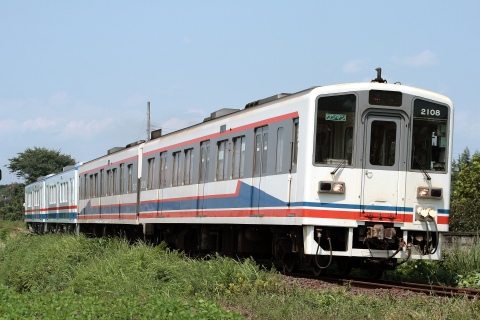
(459, 267)
(465, 200)
(12, 198)
(38, 162)
(61, 276)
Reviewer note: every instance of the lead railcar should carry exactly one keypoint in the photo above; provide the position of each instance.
(354, 173)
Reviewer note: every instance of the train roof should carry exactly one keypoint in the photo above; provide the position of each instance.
(315, 90)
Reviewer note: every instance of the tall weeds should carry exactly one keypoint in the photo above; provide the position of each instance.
(60, 276)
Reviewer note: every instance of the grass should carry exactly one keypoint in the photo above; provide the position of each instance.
(458, 267)
(74, 277)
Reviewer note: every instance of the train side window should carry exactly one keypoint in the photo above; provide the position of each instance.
(150, 173)
(53, 193)
(95, 182)
(109, 182)
(222, 160)
(84, 187)
(294, 147)
(163, 169)
(114, 182)
(204, 160)
(129, 178)
(238, 163)
(188, 170)
(101, 192)
(93, 185)
(261, 148)
(334, 144)
(122, 178)
(429, 136)
(280, 143)
(72, 190)
(176, 180)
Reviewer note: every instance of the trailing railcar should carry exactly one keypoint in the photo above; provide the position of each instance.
(51, 202)
(355, 173)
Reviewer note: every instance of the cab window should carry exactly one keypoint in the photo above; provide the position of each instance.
(335, 127)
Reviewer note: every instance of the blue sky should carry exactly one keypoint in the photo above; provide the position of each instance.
(76, 76)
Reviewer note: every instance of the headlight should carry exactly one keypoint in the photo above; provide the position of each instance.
(426, 192)
(423, 192)
(331, 187)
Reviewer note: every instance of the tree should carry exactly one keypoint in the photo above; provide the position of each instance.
(465, 202)
(12, 207)
(37, 162)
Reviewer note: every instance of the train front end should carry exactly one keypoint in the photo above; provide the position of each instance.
(378, 191)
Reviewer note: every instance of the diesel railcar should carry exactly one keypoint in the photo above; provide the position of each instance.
(357, 174)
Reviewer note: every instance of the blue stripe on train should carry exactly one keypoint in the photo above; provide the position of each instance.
(51, 216)
(247, 197)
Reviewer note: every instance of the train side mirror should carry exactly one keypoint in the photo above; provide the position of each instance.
(0, 174)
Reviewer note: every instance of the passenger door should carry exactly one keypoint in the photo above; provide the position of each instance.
(259, 167)
(203, 175)
(383, 167)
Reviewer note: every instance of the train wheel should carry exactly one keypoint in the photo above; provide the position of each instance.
(290, 262)
(344, 266)
(317, 271)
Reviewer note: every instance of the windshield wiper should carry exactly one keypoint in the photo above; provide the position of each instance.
(341, 164)
(422, 168)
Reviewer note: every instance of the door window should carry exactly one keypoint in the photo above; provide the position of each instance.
(383, 143)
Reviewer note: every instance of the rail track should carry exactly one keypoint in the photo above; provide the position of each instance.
(428, 289)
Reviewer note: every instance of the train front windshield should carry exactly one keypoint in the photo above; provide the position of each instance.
(429, 136)
(335, 128)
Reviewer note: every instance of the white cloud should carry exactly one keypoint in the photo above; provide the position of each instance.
(192, 116)
(82, 128)
(423, 59)
(174, 124)
(38, 124)
(7, 124)
(18, 106)
(354, 66)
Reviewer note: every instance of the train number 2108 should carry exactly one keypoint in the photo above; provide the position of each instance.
(430, 112)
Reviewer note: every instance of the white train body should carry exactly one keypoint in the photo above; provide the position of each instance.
(356, 170)
(53, 200)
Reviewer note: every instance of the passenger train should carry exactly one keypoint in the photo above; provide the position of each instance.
(350, 175)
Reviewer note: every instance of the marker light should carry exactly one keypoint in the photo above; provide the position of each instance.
(426, 212)
(432, 212)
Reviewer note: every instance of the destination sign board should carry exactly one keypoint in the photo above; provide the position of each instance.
(335, 117)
